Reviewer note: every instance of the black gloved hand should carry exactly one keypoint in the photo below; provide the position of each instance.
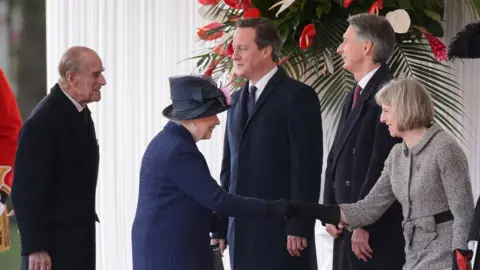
(461, 259)
(216, 223)
(325, 213)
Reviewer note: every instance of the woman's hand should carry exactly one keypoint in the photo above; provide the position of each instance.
(333, 230)
(360, 246)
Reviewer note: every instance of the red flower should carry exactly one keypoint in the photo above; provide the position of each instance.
(347, 3)
(252, 13)
(205, 33)
(307, 35)
(233, 18)
(208, 2)
(376, 6)
(438, 48)
(210, 68)
(221, 50)
(239, 4)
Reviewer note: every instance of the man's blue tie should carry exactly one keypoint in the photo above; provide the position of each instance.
(251, 99)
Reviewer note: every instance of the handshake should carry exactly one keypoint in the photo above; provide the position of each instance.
(290, 209)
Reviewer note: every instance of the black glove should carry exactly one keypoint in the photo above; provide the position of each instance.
(325, 213)
(216, 223)
(461, 259)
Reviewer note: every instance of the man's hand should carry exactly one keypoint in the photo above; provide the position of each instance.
(11, 214)
(39, 261)
(220, 242)
(295, 244)
(333, 230)
(360, 245)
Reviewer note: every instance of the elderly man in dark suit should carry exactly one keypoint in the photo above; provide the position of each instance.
(273, 150)
(56, 170)
(360, 148)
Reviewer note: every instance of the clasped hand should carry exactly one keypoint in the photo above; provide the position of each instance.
(360, 240)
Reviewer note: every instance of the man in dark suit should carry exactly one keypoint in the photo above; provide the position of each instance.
(360, 148)
(56, 170)
(273, 150)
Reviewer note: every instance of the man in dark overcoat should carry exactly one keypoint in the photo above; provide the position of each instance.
(273, 150)
(360, 147)
(56, 170)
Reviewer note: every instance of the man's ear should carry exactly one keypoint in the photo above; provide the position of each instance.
(368, 47)
(70, 77)
(267, 52)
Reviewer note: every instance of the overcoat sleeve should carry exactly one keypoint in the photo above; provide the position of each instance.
(189, 172)
(33, 181)
(306, 155)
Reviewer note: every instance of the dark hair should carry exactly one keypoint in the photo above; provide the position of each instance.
(265, 34)
(379, 31)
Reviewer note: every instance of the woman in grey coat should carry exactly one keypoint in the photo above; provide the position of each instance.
(427, 173)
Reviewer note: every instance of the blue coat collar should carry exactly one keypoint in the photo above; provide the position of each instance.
(180, 131)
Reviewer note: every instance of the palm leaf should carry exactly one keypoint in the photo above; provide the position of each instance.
(413, 59)
(320, 67)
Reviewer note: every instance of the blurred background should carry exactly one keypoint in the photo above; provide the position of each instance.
(23, 60)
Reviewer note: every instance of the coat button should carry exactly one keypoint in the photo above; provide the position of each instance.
(347, 183)
(334, 185)
(354, 151)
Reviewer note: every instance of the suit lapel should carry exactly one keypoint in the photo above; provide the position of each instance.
(74, 119)
(269, 88)
(238, 111)
(356, 112)
(239, 121)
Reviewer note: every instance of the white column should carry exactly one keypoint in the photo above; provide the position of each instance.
(141, 43)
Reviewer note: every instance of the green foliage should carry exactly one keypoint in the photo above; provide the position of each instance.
(322, 67)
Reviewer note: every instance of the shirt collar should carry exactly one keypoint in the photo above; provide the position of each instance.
(77, 105)
(363, 82)
(262, 83)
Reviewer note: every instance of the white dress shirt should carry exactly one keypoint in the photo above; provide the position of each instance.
(363, 81)
(263, 82)
(77, 105)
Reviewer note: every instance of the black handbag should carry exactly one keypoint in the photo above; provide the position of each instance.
(217, 258)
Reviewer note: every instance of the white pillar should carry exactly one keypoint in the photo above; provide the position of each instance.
(141, 43)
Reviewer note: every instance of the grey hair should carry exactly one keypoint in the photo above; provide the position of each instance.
(72, 60)
(265, 34)
(377, 30)
(178, 122)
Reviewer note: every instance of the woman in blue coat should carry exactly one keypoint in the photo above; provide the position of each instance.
(177, 195)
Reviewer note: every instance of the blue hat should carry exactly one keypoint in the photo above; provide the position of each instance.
(194, 97)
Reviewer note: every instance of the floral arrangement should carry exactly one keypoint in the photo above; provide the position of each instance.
(311, 30)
